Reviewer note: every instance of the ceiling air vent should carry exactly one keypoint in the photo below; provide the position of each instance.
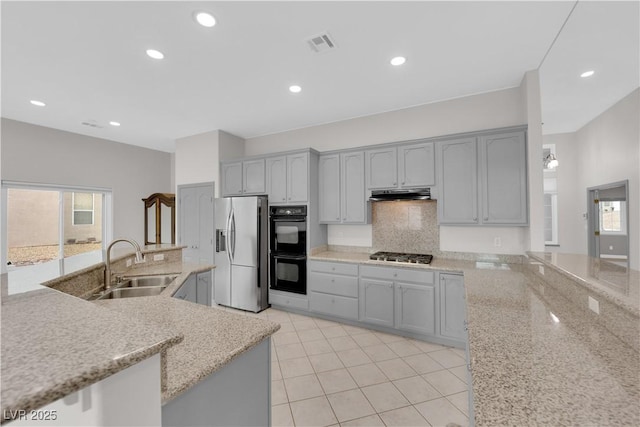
(321, 43)
(92, 124)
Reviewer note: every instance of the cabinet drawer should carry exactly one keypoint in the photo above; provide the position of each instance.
(334, 284)
(334, 268)
(288, 301)
(334, 305)
(397, 274)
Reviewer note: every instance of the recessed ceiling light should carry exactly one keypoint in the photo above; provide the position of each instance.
(155, 54)
(295, 89)
(114, 123)
(398, 60)
(205, 19)
(37, 103)
(587, 74)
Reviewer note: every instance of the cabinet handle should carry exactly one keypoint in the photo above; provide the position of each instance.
(283, 199)
(402, 182)
(333, 269)
(486, 218)
(338, 218)
(475, 218)
(344, 219)
(333, 280)
(395, 274)
(395, 183)
(390, 286)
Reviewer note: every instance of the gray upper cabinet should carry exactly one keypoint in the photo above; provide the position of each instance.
(483, 180)
(458, 183)
(246, 177)
(288, 178)
(277, 179)
(253, 177)
(231, 179)
(341, 185)
(503, 178)
(329, 187)
(401, 166)
(416, 165)
(297, 178)
(382, 168)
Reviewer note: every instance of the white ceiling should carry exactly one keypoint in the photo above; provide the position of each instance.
(86, 61)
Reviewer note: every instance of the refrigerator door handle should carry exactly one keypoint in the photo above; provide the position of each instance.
(233, 235)
(229, 242)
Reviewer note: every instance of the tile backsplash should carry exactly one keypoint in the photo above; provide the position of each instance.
(407, 226)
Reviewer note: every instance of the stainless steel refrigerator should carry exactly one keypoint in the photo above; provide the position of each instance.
(242, 259)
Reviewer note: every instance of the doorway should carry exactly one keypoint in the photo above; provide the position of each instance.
(608, 226)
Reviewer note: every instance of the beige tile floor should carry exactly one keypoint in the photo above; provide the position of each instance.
(328, 374)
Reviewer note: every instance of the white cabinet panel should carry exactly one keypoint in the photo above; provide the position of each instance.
(329, 187)
(382, 169)
(231, 175)
(297, 178)
(277, 179)
(458, 201)
(253, 176)
(376, 301)
(353, 194)
(416, 165)
(415, 308)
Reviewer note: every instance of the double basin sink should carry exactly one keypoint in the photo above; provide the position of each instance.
(137, 286)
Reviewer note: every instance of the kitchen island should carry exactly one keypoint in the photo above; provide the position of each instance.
(536, 356)
(55, 344)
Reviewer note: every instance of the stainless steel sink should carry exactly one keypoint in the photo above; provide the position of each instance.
(133, 292)
(146, 281)
(137, 286)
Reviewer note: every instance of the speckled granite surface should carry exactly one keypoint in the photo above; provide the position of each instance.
(212, 337)
(54, 344)
(536, 356)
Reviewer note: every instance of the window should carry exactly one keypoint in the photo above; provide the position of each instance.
(83, 208)
(47, 224)
(612, 217)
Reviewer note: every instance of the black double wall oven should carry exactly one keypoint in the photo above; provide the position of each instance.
(288, 247)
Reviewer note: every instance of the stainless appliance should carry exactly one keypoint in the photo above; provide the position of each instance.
(241, 273)
(411, 194)
(402, 257)
(288, 248)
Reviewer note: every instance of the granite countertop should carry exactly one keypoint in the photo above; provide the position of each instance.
(212, 337)
(54, 344)
(536, 357)
(618, 284)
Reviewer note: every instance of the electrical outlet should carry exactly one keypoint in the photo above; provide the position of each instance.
(594, 305)
(129, 262)
(610, 247)
(541, 269)
(158, 257)
(497, 242)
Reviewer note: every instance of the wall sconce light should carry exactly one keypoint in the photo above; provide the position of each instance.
(550, 162)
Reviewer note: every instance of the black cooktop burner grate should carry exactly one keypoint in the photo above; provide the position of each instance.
(402, 257)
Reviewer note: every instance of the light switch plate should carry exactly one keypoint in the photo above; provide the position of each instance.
(129, 262)
(541, 269)
(594, 305)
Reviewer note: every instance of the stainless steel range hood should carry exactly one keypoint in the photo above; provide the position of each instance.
(411, 194)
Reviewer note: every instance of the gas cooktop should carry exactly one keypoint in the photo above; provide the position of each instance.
(402, 257)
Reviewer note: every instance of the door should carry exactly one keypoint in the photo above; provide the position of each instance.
(277, 179)
(196, 218)
(415, 309)
(382, 168)
(329, 186)
(458, 202)
(353, 193)
(376, 302)
(608, 222)
(243, 231)
(416, 165)
(297, 177)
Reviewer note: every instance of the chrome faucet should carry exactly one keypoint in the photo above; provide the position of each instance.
(107, 270)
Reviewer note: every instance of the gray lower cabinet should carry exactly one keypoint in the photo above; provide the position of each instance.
(452, 306)
(415, 307)
(196, 289)
(333, 289)
(376, 301)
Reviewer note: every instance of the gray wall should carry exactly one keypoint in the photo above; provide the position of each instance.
(37, 154)
(605, 150)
